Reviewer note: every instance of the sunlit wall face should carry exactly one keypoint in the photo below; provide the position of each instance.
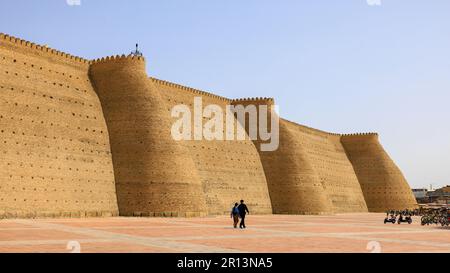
(354, 66)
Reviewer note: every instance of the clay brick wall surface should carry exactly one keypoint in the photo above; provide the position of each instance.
(229, 170)
(55, 152)
(311, 174)
(294, 184)
(155, 175)
(382, 182)
(328, 158)
(93, 138)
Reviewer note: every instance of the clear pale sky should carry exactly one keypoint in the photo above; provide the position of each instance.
(340, 66)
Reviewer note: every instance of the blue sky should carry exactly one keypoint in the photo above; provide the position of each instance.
(341, 66)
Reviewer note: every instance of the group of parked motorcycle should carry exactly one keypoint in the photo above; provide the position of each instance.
(395, 216)
(430, 216)
(436, 217)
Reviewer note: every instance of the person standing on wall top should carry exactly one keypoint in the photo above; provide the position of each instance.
(235, 214)
(243, 210)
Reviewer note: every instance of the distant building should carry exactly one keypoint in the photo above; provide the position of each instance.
(439, 196)
(420, 193)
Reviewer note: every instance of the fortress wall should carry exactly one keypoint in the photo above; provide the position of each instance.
(229, 170)
(294, 184)
(155, 176)
(310, 172)
(56, 158)
(58, 154)
(328, 158)
(382, 182)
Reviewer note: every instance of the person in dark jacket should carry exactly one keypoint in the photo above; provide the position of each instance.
(235, 215)
(243, 210)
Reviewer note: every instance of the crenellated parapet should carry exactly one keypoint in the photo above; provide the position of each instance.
(117, 59)
(360, 135)
(131, 68)
(29, 47)
(194, 91)
(255, 101)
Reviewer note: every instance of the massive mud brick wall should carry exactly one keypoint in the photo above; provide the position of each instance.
(55, 152)
(93, 138)
(310, 172)
(229, 170)
(325, 157)
(155, 175)
(382, 182)
(294, 184)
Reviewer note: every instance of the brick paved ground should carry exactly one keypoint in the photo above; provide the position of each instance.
(275, 233)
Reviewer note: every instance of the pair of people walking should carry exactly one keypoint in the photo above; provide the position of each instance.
(239, 211)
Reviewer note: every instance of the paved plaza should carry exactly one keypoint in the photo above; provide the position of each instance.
(266, 234)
